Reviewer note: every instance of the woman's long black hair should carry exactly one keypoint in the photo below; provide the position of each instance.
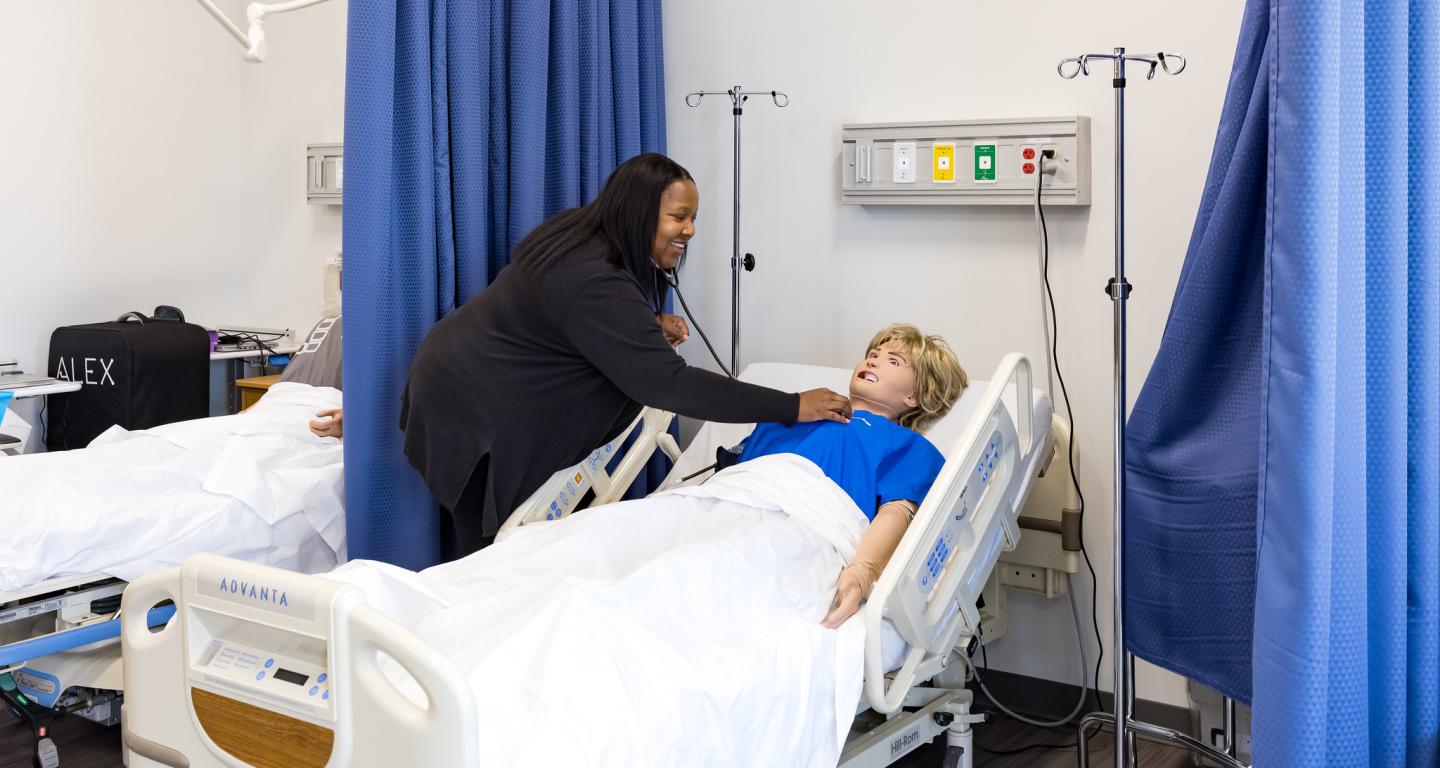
(625, 214)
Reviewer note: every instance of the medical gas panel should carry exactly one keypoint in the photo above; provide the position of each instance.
(325, 173)
(966, 162)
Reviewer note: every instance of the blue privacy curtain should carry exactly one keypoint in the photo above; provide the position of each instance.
(1339, 381)
(1191, 442)
(467, 123)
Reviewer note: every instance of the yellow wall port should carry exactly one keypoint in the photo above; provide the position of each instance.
(942, 162)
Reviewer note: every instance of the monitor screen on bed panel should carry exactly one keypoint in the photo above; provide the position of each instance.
(291, 677)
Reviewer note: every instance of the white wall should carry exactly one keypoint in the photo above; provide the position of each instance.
(144, 163)
(119, 167)
(296, 97)
(829, 275)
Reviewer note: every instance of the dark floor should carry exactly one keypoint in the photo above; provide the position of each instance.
(1003, 735)
(83, 744)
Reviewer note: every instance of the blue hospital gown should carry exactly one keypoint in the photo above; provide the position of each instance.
(874, 460)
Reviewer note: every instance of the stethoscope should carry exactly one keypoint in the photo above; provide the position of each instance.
(672, 277)
(724, 457)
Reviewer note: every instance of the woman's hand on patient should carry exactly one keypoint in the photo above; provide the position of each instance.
(675, 329)
(822, 404)
(329, 423)
(850, 590)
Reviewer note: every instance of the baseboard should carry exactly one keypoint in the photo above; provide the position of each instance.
(1049, 700)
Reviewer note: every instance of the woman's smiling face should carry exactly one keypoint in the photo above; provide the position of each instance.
(679, 205)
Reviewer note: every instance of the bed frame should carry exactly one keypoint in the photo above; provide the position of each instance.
(204, 691)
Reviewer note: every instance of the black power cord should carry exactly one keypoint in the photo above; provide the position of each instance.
(1022, 750)
(1065, 393)
(265, 345)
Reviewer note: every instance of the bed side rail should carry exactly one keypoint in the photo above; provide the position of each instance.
(53, 584)
(561, 494)
(930, 586)
(254, 649)
(15, 655)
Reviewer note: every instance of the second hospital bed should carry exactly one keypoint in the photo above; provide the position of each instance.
(254, 651)
(75, 526)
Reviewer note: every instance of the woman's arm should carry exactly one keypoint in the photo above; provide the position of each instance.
(874, 551)
(611, 326)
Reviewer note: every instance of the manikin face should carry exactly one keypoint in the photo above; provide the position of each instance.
(678, 207)
(884, 382)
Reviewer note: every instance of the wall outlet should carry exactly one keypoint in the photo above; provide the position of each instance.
(943, 162)
(904, 161)
(985, 158)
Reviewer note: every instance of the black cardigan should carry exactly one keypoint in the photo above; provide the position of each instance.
(536, 371)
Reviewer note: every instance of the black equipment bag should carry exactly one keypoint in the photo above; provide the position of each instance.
(137, 372)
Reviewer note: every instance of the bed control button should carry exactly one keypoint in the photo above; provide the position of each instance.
(322, 678)
(325, 696)
(259, 675)
(269, 663)
(314, 689)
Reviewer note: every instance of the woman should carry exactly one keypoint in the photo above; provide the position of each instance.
(560, 352)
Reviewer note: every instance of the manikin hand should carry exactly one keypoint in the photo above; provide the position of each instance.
(876, 546)
(329, 423)
(850, 589)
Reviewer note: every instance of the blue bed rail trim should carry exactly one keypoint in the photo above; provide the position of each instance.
(37, 647)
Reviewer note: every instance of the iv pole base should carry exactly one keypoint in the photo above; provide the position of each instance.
(1146, 730)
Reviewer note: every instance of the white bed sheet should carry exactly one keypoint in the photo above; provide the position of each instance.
(680, 629)
(792, 377)
(256, 486)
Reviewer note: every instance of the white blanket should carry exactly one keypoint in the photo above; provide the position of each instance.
(682, 629)
(257, 486)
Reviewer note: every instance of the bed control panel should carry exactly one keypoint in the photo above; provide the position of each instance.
(946, 543)
(563, 492)
(985, 467)
(266, 674)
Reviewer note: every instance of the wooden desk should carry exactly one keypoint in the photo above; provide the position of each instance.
(252, 389)
(223, 394)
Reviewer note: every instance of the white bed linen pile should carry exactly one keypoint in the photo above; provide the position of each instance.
(256, 486)
(682, 629)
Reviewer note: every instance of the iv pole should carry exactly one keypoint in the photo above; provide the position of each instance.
(738, 97)
(1118, 289)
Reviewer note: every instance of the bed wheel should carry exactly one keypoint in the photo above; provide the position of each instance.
(954, 757)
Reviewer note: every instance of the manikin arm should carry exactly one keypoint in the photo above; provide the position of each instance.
(874, 551)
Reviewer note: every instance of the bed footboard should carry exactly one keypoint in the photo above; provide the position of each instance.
(270, 667)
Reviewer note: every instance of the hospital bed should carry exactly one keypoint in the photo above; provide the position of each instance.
(264, 667)
(75, 526)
